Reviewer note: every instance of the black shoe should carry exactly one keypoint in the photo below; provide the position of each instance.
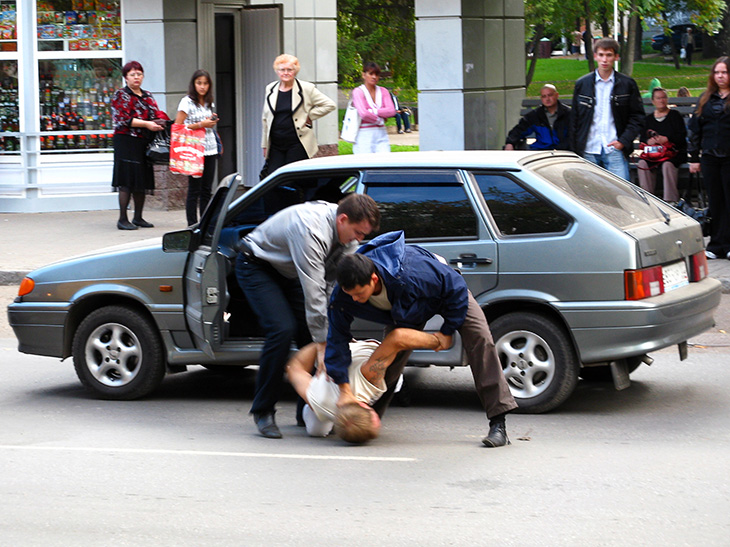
(143, 223)
(267, 426)
(125, 225)
(497, 436)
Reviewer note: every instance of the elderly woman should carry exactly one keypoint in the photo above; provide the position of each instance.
(290, 107)
(660, 127)
(136, 117)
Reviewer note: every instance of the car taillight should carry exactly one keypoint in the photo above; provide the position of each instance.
(698, 266)
(26, 286)
(644, 283)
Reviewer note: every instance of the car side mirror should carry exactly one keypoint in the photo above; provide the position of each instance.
(175, 242)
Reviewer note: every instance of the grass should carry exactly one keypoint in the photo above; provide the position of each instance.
(564, 71)
(346, 148)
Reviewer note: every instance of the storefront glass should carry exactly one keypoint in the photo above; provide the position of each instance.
(79, 25)
(9, 115)
(75, 103)
(75, 93)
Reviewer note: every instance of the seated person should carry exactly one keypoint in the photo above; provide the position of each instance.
(663, 126)
(354, 422)
(549, 123)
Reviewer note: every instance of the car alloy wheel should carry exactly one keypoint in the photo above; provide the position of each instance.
(537, 359)
(117, 353)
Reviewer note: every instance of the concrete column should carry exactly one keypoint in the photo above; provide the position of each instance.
(471, 71)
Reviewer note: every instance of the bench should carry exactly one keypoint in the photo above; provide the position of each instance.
(684, 105)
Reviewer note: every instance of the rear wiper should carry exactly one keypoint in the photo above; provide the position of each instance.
(641, 193)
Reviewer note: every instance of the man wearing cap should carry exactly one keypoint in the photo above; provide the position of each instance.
(549, 123)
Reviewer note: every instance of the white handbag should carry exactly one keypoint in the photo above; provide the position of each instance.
(350, 123)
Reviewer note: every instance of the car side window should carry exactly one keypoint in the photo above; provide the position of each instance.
(426, 204)
(517, 211)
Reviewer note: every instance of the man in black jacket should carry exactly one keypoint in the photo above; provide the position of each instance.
(607, 113)
(549, 123)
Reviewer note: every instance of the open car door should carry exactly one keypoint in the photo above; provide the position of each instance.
(205, 275)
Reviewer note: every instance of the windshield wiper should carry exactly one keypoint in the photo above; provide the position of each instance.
(642, 194)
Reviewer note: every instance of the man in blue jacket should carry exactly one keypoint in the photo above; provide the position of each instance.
(549, 123)
(401, 285)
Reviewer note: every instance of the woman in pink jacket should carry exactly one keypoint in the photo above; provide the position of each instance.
(374, 104)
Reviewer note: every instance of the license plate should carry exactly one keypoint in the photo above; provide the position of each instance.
(675, 276)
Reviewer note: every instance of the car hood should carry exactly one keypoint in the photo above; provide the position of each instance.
(127, 261)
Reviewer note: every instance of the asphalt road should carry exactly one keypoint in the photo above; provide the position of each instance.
(644, 466)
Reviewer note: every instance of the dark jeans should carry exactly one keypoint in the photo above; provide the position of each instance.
(278, 304)
(285, 155)
(716, 175)
(199, 190)
(406, 121)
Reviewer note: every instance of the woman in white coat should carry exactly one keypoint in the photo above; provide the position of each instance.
(290, 107)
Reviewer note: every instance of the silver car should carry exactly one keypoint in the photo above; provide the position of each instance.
(578, 272)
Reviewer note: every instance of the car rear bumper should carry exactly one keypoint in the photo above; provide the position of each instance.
(606, 331)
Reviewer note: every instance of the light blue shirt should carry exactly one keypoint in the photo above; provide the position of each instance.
(603, 128)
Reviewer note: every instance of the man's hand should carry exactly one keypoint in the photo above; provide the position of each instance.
(616, 144)
(508, 146)
(443, 340)
(346, 396)
(695, 167)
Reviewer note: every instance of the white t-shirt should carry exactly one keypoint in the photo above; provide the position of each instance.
(196, 114)
(323, 393)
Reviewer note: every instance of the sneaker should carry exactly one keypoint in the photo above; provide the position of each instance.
(408, 130)
(400, 131)
(728, 255)
(710, 255)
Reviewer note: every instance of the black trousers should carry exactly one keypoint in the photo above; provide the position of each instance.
(279, 156)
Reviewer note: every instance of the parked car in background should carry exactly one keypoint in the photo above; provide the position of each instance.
(579, 273)
(661, 42)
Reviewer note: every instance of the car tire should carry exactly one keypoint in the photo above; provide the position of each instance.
(117, 354)
(537, 359)
(666, 49)
(603, 373)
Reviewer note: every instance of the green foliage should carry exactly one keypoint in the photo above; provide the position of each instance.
(346, 148)
(563, 72)
(382, 32)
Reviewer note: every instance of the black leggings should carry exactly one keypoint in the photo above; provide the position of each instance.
(199, 190)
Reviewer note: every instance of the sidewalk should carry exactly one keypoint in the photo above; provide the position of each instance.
(31, 240)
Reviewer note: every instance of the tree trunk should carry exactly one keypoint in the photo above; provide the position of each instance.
(539, 30)
(627, 66)
(589, 42)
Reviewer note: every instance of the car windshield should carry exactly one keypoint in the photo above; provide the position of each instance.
(622, 204)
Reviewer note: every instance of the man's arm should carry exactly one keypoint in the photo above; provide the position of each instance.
(299, 369)
(521, 130)
(636, 118)
(398, 340)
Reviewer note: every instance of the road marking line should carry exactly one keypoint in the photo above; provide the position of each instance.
(205, 453)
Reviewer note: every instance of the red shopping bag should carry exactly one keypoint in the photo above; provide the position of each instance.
(186, 150)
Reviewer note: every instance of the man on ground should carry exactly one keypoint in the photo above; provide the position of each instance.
(286, 269)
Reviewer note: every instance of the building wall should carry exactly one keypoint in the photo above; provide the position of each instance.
(467, 86)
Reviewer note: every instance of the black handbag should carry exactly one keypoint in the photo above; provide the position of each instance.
(158, 149)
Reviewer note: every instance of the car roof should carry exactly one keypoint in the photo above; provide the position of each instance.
(453, 159)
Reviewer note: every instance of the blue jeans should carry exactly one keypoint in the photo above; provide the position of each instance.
(613, 161)
(278, 304)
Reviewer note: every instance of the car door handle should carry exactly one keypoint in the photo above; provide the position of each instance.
(199, 269)
(470, 258)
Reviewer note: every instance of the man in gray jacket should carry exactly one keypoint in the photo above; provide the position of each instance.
(286, 269)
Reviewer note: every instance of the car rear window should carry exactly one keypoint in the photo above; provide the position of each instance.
(619, 202)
